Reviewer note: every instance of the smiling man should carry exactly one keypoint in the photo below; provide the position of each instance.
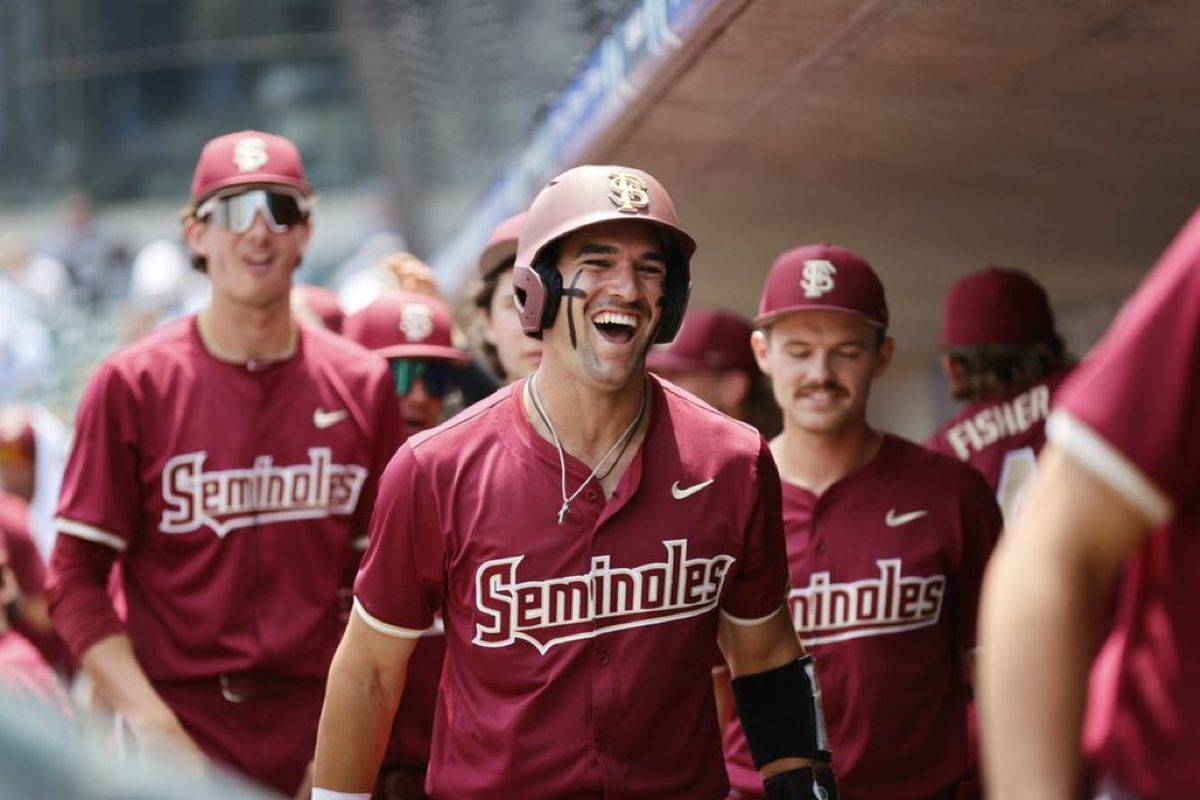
(226, 461)
(886, 541)
(588, 535)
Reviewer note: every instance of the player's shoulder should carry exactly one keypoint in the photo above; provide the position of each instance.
(466, 429)
(331, 350)
(159, 351)
(700, 419)
(916, 463)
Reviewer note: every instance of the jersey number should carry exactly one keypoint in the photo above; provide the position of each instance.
(1019, 466)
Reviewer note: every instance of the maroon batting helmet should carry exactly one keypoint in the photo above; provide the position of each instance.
(585, 196)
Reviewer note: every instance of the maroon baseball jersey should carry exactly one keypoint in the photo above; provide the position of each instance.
(886, 568)
(577, 657)
(1131, 414)
(231, 493)
(1001, 437)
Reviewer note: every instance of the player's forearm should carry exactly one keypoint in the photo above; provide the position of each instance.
(121, 682)
(1031, 714)
(355, 722)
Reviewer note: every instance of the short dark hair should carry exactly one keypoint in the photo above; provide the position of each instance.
(992, 370)
(481, 299)
(199, 263)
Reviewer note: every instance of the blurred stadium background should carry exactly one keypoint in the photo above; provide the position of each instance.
(934, 137)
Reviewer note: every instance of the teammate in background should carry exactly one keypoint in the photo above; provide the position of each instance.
(1004, 358)
(23, 668)
(507, 351)
(317, 305)
(886, 541)
(226, 461)
(413, 332)
(711, 358)
(587, 534)
(25, 572)
(1116, 493)
(33, 449)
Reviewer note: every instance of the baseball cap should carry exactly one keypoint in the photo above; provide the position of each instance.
(996, 305)
(246, 158)
(708, 340)
(502, 245)
(822, 277)
(405, 325)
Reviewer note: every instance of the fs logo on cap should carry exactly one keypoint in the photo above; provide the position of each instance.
(416, 321)
(250, 154)
(628, 192)
(818, 277)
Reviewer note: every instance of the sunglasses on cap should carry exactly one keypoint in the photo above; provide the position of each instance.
(235, 212)
(441, 378)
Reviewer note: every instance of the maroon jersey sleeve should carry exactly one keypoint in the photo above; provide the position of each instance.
(759, 583)
(97, 512)
(100, 498)
(1129, 412)
(402, 578)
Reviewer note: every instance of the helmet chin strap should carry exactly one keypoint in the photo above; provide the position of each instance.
(571, 293)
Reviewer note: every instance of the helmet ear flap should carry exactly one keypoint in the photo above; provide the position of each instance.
(546, 266)
(676, 290)
(537, 291)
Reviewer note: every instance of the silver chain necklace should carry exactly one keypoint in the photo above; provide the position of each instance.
(621, 442)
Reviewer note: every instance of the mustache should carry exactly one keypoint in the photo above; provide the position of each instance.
(832, 387)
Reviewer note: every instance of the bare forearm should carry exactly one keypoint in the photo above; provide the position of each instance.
(1032, 678)
(121, 682)
(1042, 598)
(355, 722)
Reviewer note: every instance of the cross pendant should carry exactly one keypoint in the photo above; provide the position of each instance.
(562, 512)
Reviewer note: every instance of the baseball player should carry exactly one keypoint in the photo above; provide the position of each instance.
(414, 333)
(886, 540)
(508, 352)
(587, 534)
(226, 461)
(33, 445)
(712, 359)
(1004, 358)
(23, 668)
(1115, 495)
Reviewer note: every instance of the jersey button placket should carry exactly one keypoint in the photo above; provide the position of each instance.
(819, 517)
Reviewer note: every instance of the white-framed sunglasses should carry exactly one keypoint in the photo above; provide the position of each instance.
(235, 212)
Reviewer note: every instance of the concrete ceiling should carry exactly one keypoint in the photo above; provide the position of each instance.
(935, 137)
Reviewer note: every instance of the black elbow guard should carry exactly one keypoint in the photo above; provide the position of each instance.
(801, 784)
(781, 715)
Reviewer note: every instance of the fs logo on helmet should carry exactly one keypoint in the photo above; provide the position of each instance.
(250, 154)
(628, 192)
(416, 321)
(818, 277)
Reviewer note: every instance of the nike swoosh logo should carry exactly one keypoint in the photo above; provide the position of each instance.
(895, 520)
(680, 494)
(327, 419)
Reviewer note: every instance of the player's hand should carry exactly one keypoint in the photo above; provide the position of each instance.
(160, 729)
(412, 275)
